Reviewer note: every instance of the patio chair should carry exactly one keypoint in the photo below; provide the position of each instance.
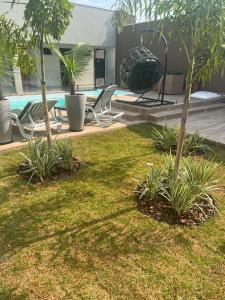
(32, 117)
(101, 109)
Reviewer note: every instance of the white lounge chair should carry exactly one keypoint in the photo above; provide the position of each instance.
(32, 117)
(102, 110)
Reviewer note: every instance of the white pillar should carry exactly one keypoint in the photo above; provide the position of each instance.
(17, 79)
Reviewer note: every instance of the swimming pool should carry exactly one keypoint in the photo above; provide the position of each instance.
(19, 102)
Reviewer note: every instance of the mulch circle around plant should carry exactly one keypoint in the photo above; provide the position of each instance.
(58, 174)
(161, 210)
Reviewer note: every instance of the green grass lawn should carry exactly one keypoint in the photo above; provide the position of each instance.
(82, 237)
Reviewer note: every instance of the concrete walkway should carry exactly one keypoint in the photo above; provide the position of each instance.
(91, 128)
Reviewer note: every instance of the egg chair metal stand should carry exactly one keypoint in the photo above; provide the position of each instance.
(160, 100)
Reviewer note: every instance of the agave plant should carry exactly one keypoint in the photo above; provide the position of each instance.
(166, 140)
(195, 187)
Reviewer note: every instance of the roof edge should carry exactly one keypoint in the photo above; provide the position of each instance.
(95, 7)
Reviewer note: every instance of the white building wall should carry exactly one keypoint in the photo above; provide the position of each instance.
(91, 25)
(87, 80)
(88, 25)
(52, 70)
(110, 66)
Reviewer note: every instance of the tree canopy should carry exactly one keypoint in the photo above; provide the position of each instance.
(200, 25)
(49, 17)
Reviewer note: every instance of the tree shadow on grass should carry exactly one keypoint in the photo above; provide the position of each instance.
(103, 236)
(109, 174)
(221, 248)
(144, 130)
(9, 294)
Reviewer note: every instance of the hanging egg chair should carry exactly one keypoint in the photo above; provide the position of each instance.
(140, 70)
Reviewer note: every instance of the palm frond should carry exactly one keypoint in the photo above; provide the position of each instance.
(75, 60)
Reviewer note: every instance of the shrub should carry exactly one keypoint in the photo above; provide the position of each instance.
(168, 167)
(182, 196)
(153, 185)
(65, 150)
(42, 162)
(166, 138)
(203, 175)
(195, 187)
(194, 144)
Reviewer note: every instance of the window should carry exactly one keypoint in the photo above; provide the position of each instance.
(65, 50)
(47, 51)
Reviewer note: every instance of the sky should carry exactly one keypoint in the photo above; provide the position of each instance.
(98, 3)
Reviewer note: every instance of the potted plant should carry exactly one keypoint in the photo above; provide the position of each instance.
(5, 121)
(75, 62)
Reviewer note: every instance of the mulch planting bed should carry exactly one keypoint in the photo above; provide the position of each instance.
(162, 211)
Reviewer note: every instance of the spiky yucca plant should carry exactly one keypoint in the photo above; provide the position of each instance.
(42, 161)
(194, 144)
(196, 185)
(153, 185)
(166, 138)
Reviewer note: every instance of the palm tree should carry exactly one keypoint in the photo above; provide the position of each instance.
(75, 62)
(199, 25)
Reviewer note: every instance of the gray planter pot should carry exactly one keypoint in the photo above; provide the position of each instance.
(75, 106)
(5, 123)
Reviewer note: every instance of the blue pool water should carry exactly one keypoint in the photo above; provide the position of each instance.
(19, 102)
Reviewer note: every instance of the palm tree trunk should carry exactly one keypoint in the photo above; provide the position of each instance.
(44, 98)
(184, 118)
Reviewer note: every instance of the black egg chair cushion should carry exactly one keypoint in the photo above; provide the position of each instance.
(140, 70)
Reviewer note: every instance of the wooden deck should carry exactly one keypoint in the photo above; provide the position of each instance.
(210, 124)
(205, 116)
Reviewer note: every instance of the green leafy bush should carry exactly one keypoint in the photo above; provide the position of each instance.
(65, 150)
(168, 167)
(166, 140)
(153, 185)
(182, 196)
(195, 187)
(42, 162)
(194, 144)
(203, 176)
